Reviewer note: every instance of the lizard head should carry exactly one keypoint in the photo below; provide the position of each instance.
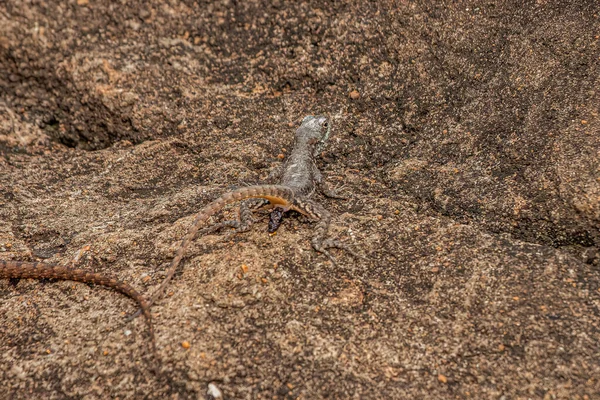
(314, 131)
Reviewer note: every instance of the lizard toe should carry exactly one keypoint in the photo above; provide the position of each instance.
(337, 244)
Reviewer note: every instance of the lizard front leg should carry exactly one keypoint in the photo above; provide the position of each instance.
(276, 173)
(328, 191)
(324, 187)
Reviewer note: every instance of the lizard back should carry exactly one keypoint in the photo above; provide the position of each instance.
(300, 171)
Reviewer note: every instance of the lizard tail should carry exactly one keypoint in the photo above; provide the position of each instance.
(279, 195)
(35, 270)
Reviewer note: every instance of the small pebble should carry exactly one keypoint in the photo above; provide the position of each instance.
(442, 378)
(18, 372)
(185, 344)
(127, 332)
(214, 392)
(354, 95)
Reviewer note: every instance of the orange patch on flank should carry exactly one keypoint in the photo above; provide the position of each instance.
(277, 200)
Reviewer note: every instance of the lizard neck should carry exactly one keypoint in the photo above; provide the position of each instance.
(304, 147)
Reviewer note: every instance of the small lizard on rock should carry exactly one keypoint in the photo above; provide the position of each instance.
(36, 270)
(300, 177)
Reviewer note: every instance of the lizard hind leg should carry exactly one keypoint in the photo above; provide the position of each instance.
(320, 242)
(246, 220)
(274, 194)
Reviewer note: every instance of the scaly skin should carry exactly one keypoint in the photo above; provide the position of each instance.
(280, 195)
(299, 179)
(35, 270)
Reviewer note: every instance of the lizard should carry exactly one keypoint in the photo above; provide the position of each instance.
(299, 179)
(37, 270)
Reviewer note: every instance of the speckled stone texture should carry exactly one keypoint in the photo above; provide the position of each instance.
(465, 136)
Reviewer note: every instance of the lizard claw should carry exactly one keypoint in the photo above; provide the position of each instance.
(330, 192)
(323, 250)
(336, 244)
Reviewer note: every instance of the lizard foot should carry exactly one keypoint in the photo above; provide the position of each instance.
(333, 193)
(334, 244)
(328, 191)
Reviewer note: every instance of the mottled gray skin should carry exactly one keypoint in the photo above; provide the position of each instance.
(299, 179)
(300, 172)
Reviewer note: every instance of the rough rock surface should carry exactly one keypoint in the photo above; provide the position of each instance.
(466, 136)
